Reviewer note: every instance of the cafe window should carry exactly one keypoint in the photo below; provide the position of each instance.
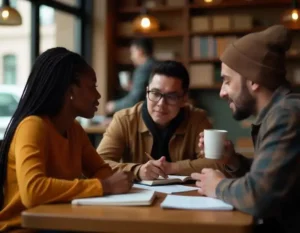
(46, 15)
(9, 69)
(45, 24)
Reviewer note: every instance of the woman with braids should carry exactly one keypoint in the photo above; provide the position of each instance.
(45, 151)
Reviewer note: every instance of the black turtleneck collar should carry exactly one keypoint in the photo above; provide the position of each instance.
(161, 137)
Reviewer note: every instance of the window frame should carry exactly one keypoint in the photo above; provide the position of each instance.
(83, 12)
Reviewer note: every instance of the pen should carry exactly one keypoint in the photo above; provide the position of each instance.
(149, 156)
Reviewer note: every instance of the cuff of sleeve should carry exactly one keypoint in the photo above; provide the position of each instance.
(230, 170)
(118, 105)
(128, 167)
(136, 170)
(221, 187)
(99, 187)
(184, 167)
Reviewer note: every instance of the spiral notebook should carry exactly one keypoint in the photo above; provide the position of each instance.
(136, 197)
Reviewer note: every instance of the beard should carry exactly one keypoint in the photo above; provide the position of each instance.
(244, 104)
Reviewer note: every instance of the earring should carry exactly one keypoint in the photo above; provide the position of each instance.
(71, 97)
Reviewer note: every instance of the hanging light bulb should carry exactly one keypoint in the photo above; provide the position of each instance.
(208, 2)
(9, 16)
(291, 17)
(145, 23)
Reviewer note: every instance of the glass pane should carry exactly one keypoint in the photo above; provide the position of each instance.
(9, 69)
(15, 62)
(46, 15)
(13, 3)
(69, 2)
(58, 29)
(8, 104)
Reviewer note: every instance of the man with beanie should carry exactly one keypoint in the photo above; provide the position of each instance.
(254, 83)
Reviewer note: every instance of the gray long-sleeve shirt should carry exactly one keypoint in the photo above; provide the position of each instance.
(141, 76)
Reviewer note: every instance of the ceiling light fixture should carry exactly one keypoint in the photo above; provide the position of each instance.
(9, 16)
(291, 17)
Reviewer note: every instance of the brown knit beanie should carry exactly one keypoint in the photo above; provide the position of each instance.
(260, 56)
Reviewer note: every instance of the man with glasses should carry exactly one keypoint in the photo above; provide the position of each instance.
(159, 136)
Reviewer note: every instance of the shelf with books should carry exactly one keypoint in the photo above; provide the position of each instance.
(134, 10)
(217, 60)
(242, 3)
(159, 34)
(130, 64)
(227, 32)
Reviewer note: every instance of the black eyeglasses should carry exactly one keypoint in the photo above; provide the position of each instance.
(172, 99)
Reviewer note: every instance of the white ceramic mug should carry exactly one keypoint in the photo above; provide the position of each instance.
(214, 142)
(124, 79)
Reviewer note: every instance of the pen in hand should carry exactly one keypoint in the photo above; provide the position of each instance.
(151, 158)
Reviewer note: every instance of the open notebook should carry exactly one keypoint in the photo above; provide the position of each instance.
(170, 180)
(194, 203)
(169, 189)
(136, 197)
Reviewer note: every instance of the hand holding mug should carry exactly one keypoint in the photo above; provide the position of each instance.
(213, 144)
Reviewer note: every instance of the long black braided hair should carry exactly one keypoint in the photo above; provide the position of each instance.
(51, 75)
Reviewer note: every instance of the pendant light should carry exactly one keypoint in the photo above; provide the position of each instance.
(9, 16)
(145, 23)
(291, 17)
(208, 2)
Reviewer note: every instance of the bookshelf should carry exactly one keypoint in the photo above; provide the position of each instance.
(227, 32)
(177, 32)
(137, 9)
(176, 38)
(240, 4)
(161, 34)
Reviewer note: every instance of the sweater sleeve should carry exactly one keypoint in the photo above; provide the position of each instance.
(34, 186)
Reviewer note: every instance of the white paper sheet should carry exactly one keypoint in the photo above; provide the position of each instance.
(166, 188)
(134, 197)
(194, 203)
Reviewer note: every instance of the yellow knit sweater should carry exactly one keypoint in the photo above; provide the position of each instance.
(45, 167)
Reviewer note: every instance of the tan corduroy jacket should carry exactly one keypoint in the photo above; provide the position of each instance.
(127, 139)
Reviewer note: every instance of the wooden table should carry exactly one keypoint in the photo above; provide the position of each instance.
(150, 219)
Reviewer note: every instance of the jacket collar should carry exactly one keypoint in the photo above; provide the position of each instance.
(180, 130)
(277, 96)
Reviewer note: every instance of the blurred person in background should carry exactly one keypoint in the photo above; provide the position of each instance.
(141, 52)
